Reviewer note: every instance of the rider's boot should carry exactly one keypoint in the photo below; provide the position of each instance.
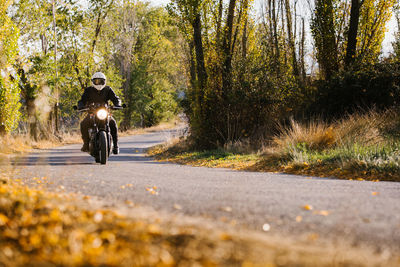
(115, 145)
(115, 149)
(85, 147)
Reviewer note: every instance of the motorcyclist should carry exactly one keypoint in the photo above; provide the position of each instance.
(98, 93)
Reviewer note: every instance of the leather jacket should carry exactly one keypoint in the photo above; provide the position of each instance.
(92, 95)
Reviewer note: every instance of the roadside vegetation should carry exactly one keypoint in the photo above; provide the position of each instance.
(361, 146)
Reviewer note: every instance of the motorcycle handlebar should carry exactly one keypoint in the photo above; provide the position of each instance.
(87, 109)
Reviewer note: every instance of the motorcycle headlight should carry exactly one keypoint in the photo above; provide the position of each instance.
(102, 114)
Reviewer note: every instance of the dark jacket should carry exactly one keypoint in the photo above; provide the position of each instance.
(92, 95)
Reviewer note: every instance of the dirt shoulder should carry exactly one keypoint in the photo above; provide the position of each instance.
(263, 163)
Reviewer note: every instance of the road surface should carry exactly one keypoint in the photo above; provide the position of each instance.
(359, 212)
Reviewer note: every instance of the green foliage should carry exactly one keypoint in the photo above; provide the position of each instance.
(324, 33)
(396, 43)
(374, 16)
(369, 86)
(145, 52)
(9, 90)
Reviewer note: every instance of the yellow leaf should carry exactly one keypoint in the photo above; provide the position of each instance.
(128, 202)
(225, 237)
(35, 240)
(3, 219)
(308, 207)
(375, 193)
(227, 209)
(177, 207)
(313, 237)
(321, 212)
(299, 218)
(154, 229)
(55, 215)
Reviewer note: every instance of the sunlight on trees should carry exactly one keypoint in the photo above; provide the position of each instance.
(9, 91)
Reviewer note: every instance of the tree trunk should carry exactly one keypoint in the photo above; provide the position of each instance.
(323, 30)
(292, 46)
(227, 44)
(33, 124)
(219, 20)
(302, 52)
(276, 42)
(352, 34)
(193, 78)
(201, 69)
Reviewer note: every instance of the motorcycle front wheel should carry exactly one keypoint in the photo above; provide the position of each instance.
(103, 147)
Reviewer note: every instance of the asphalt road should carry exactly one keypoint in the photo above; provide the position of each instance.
(363, 213)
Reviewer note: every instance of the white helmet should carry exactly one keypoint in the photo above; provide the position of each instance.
(99, 80)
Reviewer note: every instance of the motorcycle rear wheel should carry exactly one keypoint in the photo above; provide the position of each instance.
(103, 147)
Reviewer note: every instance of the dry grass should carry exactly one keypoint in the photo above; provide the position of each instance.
(360, 146)
(23, 143)
(315, 135)
(160, 127)
(366, 129)
(10, 145)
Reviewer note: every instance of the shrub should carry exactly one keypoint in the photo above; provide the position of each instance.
(364, 87)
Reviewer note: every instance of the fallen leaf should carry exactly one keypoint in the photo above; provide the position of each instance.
(177, 207)
(3, 219)
(375, 193)
(227, 209)
(308, 207)
(225, 236)
(313, 237)
(98, 217)
(321, 212)
(128, 202)
(299, 218)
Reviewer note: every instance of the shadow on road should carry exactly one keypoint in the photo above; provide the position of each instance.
(68, 157)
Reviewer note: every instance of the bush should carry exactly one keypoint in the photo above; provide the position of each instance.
(362, 88)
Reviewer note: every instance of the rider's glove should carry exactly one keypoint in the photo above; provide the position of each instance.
(81, 106)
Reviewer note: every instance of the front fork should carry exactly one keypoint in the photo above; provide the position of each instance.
(98, 126)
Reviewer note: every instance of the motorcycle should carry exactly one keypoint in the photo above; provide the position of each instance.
(100, 137)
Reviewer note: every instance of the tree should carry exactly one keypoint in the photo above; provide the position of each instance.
(373, 25)
(396, 43)
(144, 52)
(368, 19)
(323, 31)
(9, 90)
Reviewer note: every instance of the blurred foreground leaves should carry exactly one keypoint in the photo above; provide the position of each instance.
(39, 228)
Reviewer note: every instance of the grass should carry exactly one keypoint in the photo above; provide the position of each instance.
(23, 143)
(361, 146)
